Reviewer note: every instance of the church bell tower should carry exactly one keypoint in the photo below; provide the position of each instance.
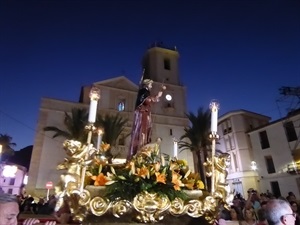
(160, 64)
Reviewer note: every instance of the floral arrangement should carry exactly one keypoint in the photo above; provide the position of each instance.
(147, 171)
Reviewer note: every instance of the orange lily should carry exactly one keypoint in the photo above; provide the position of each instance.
(143, 172)
(160, 177)
(100, 180)
(176, 181)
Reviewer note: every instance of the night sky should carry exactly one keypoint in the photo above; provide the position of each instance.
(238, 52)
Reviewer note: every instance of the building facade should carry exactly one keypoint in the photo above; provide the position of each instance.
(234, 139)
(118, 95)
(276, 150)
(13, 178)
(264, 155)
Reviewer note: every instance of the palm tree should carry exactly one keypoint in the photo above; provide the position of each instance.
(113, 126)
(74, 125)
(7, 144)
(196, 138)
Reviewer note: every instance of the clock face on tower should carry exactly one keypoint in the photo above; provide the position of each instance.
(169, 97)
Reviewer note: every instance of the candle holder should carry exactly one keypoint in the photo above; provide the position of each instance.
(214, 107)
(94, 97)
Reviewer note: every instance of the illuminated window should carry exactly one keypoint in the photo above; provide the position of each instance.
(121, 106)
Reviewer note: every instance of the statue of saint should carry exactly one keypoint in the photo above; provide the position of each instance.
(142, 123)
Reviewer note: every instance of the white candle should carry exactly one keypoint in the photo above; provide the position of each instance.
(175, 148)
(214, 117)
(94, 96)
(93, 111)
(99, 140)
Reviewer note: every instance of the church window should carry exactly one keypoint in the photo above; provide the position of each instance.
(121, 105)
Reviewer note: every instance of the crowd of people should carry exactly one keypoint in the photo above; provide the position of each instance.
(11, 206)
(261, 209)
(28, 205)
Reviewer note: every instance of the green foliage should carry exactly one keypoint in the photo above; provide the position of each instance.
(129, 186)
(196, 137)
(7, 144)
(73, 126)
(113, 126)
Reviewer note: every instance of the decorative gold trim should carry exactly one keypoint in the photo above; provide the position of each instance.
(146, 207)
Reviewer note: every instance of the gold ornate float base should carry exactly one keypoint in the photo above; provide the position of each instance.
(128, 220)
(88, 203)
(90, 206)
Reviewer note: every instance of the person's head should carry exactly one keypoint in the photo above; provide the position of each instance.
(291, 198)
(235, 213)
(263, 204)
(9, 209)
(264, 197)
(279, 212)
(248, 214)
(294, 206)
(261, 214)
(148, 83)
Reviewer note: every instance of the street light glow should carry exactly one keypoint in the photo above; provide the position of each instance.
(253, 165)
(9, 171)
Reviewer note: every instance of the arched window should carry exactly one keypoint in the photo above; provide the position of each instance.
(121, 105)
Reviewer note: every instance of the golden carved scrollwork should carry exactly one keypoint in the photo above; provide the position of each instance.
(99, 206)
(194, 208)
(121, 207)
(150, 206)
(177, 207)
(145, 207)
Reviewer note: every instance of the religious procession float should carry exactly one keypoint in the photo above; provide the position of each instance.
(147, 188)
